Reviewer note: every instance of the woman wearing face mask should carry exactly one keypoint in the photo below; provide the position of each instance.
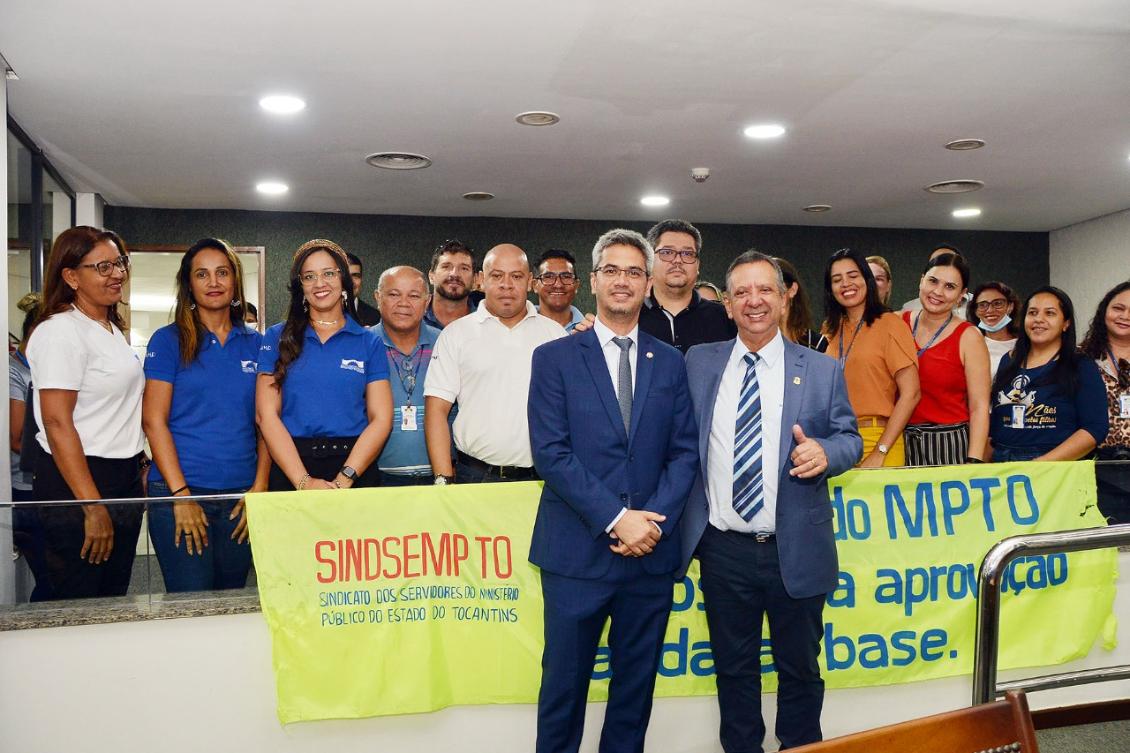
(1048, 399)
(991, 310)
(950, 425)
(1108, 344)
(877, 354)
(199, 416)
(322, 398)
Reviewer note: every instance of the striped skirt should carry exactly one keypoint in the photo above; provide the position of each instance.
(936, 444)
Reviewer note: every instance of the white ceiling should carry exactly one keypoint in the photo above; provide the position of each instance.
(155, 104)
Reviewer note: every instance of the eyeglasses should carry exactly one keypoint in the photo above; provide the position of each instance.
(611, 272)
(328, 275)
(105, 268)
(550, 278)
(999, 304)
(670, 254)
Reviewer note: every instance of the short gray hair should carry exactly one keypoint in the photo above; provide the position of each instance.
(751, 257)
(621, 236)
(674, 226)
(393, 270)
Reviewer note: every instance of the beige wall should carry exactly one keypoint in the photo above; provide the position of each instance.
(1089, 259)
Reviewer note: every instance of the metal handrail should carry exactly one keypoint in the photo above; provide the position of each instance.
(985, 686)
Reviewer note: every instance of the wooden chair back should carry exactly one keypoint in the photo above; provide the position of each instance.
(999, 727)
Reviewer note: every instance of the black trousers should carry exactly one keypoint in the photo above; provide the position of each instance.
(323, 459)
(741, 584)
(69, 576)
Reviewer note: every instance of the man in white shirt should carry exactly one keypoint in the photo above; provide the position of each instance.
(774, 425)
(482, 362)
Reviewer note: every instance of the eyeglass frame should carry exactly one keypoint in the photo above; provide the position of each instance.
(997, 304)
(121, 263)
(557, 277)
(326, 275)
(611, 272)
(683, 255)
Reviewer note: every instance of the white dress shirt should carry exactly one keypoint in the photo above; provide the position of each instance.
(611, 353)
(770, 371)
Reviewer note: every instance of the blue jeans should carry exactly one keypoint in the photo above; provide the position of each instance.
(224, 563)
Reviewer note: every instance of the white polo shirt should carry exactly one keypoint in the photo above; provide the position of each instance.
(70, 351)
(770, 371)
(484, 366)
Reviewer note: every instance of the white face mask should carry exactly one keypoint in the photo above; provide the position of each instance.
(1004, 322)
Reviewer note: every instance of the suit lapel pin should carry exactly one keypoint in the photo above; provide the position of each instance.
(796, 380)
(648, 354)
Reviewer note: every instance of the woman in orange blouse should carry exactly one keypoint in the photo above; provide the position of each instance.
(877, 354)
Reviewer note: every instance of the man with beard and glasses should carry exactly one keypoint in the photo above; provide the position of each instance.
(675, 312)
(451, 276)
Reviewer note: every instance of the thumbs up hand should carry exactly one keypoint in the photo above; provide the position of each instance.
(808, 456)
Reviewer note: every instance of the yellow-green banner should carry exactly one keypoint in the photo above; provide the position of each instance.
(394, 601)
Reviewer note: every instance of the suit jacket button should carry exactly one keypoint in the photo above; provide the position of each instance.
(623, 497)
(631, 458)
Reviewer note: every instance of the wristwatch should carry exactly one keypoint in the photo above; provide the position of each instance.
(348, 472)
(444, 480)
(882, 448)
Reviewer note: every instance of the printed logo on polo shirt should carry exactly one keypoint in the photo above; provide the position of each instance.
(248, 366)
(353, 365)
(150, 354)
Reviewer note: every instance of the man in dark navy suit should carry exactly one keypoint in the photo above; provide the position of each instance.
(774, 425)
(614, 439)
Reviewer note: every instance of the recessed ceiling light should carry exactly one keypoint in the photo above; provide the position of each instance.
(967, 212)
(965, 145)
(478, 196)
(538, 118)
(817, 208)
(655, 201)
(271, 187)
(398, 160)
(282, 104)
(955, 186)
(765, 131)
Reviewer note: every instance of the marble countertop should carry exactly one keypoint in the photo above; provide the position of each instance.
(46, 614)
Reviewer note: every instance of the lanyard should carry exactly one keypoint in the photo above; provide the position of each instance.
(914, 333)
(842, 355)
(407, 368)
(1119, 370)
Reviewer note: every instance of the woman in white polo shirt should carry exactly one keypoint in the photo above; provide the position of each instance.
(88, 384)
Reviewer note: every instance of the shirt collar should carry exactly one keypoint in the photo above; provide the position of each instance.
(772, 352)
(604, 335)
(653, 303)
(427, 335)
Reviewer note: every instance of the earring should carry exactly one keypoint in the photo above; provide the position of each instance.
(192, 305)
(305, 306)
(234, 304)
(343, 296)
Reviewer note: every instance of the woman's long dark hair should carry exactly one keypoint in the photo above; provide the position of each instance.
(1015, 318)
(799, 322)
(297, 317)
(1097, 340)
(1065, 372)
(70, 248)
(190, 331)
(834, 313)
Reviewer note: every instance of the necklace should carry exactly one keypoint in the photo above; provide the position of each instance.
(325, 323)
(104, 323)
(938, 331)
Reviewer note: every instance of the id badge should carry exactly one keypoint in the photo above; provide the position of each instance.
(408, 418)
(1018, 416)
(1124, 406)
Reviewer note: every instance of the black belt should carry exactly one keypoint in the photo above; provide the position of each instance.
(516, 472)
(760, 537)
(324, 447)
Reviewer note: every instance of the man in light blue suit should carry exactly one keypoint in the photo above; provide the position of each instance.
(774, 424)
(613, 437)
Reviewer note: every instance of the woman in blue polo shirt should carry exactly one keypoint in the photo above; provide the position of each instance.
(199, 415)
(1048, 400)
(323, 399)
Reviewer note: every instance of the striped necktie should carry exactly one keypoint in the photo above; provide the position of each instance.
(749, 494)
(624, 381)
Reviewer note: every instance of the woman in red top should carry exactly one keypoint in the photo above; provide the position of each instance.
(950, 424)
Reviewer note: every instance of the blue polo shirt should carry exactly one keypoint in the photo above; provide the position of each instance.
(576, 317)
(323, 394)
(212, 415)
(406, 452)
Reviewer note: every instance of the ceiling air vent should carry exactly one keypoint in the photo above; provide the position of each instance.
(817, 208)
(955, 186)
(478, 196)
(398, 160)
(965, 145)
